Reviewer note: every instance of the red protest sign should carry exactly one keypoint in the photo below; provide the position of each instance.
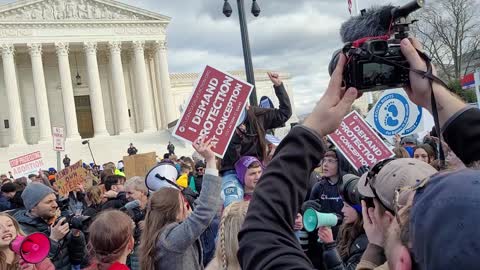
(358, 143)
(214, 109)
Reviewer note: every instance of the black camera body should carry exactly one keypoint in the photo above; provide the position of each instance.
(348, 190)
(367, 72)
(377, 63)
(74, 221)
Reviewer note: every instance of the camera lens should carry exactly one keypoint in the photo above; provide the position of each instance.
(349, 191)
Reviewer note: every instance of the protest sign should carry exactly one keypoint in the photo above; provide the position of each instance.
(70, 178)
(27, 164)
(358, 143)
(58, 135)
(139, 164)
(395, 114)
(214, 108)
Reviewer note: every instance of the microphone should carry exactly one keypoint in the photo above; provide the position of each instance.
(374, 22)
(408, 8)
(85, 142)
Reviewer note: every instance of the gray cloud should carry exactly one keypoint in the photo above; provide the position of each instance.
(297, 37)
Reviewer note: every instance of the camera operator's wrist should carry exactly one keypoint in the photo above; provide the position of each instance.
(448, 104)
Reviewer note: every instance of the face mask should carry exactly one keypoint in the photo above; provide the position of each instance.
(410, 150)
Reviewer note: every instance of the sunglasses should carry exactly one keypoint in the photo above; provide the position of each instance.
(200, 169)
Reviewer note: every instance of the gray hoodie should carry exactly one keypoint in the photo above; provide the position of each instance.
(178, 246)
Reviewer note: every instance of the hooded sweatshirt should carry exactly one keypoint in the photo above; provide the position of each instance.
(241, 168)
(326, 192)
(327, 195)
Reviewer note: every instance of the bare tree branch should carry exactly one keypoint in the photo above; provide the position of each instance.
(449, 31)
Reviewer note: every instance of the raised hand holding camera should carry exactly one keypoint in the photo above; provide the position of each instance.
(375, 60)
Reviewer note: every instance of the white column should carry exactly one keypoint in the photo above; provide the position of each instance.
(96, 99)
(158, 82)
(13, 97)
(119, 92)
(67, 90)
(161, 62)
(44, 126)
(145, 102)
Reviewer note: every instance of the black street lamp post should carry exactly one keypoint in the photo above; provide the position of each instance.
(247, 55)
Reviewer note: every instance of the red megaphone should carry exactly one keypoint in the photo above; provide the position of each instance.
(33, 248)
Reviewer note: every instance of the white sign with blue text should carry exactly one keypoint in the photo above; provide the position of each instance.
(395, 114)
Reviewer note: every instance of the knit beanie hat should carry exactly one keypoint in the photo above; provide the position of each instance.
(241, 167)
(34, 193)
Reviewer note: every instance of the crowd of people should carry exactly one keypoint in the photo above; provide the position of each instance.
(247, 210)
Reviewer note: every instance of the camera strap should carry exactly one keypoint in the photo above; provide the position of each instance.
(432, 78)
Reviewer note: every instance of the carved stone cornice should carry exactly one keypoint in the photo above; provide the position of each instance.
(139, 46)
(7, 49)
(62, 48)
(53, 10)
(115, 46)
(35, 49)
(90, 48)
(160, 45)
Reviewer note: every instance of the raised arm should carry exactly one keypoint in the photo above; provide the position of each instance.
(208, 204)
(267, 240)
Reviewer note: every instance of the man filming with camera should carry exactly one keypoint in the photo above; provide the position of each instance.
(41, 209)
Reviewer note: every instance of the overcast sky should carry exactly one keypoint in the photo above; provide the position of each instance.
(295, 36)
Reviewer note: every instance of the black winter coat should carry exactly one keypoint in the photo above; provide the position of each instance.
(65, 253)
(116, 203)
(333, 261)
(247, 144)
(267, 239)
(462, 133)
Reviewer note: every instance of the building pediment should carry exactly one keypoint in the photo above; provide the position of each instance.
(75, 10)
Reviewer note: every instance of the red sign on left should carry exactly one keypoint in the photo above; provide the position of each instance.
(214, 108)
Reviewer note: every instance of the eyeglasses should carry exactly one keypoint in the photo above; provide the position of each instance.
(200, 169)
(398, 193)
(372, 174)
(329, 160)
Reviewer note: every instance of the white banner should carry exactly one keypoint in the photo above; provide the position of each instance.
(58, 135)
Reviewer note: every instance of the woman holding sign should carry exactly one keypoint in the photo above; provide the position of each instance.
(249, 139)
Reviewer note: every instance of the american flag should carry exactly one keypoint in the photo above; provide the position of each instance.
(349, 6)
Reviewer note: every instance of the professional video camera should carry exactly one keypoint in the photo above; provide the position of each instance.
(372, 46)
(78, 222)
(349, 191)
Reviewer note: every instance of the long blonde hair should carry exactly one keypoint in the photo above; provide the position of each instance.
(162, 209)
(227, 242)
(3, 258)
